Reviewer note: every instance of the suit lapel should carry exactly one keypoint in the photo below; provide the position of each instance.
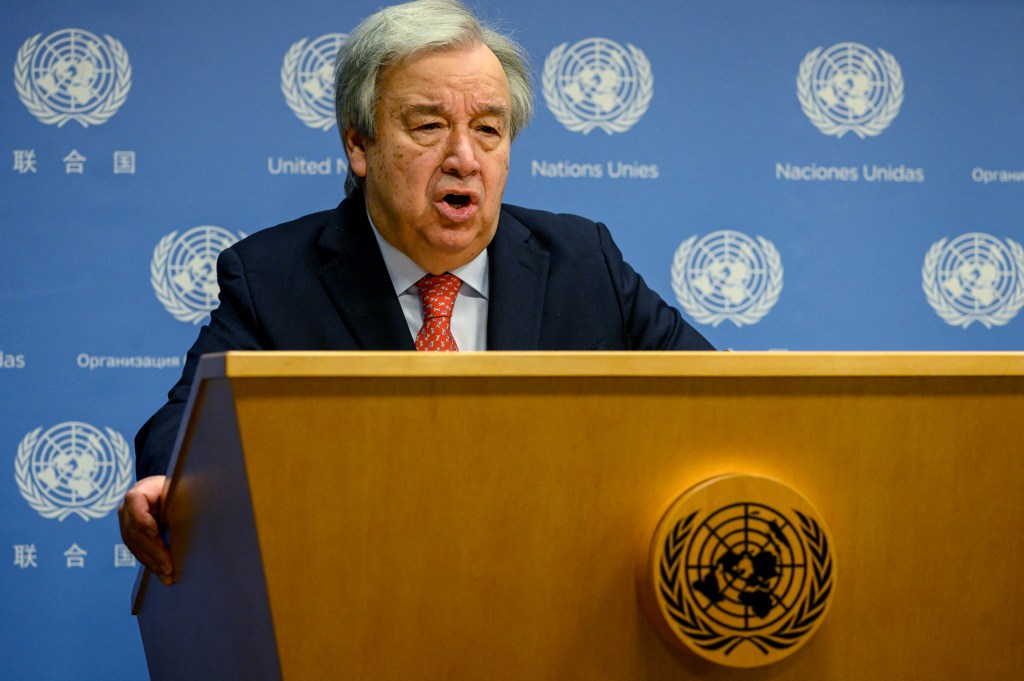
(518, 282)
(357, 281)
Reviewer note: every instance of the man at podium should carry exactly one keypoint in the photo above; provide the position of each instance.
(421, 254)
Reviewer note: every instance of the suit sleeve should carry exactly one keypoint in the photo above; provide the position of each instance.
(650, 323)
(233, 326)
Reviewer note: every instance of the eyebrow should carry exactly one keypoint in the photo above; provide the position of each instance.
(498, 110)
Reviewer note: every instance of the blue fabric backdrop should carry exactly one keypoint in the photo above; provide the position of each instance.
(826, 175)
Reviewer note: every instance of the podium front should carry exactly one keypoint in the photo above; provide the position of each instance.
(484, 516)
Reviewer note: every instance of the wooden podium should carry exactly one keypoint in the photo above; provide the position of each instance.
(482, 516)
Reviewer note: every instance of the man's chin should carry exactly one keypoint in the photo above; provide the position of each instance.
(454, 242)
(449, 247)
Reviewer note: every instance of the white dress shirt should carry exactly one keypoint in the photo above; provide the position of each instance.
(469, 316)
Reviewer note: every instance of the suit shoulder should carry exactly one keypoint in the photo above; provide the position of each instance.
(542, 220)
(557, 231)
(299, 233)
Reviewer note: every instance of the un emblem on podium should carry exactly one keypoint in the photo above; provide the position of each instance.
(850, 88)
(72, 75)
(597, 83)
(974, 278)
(740, 571)
(183, 271)
(307, 79)
(73, 468)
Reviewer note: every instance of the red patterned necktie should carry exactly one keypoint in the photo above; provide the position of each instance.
(437, 295)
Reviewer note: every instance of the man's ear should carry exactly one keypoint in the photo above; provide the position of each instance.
(355, 147)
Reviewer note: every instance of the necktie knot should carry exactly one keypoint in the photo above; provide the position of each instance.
(437, 296)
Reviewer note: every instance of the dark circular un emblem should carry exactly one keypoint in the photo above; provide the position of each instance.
(746, 561)
(740, 571)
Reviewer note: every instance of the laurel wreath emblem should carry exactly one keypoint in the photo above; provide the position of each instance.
(870, 128)
(699, 312)
(39, 108)
(163, 290)
(576, 123)
(933, 292)
(98, 509)
(290, 90)
(703, 633)
(164, 293)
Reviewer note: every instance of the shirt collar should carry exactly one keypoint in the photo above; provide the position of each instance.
(405, 273)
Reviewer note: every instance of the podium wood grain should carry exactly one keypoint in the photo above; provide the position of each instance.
(482, 516)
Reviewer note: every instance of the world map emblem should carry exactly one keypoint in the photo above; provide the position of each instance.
(307, 79)
(73, 468)
(727, 275)
(183, 271)
(740, 571)
(72, 75)
(850, 88)
(597, 83)
(974, 277)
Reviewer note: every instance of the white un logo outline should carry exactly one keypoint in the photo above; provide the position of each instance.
(72, 75)
(974, 278)
(850, 88)
(307, 79)
(73, 468)
(183, 271)
(726, 275)
(597, 83)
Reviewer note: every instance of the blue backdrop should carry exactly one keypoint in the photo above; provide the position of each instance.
(825, 175)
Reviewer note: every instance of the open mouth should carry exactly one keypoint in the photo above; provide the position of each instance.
(458, 207)
(456, 200)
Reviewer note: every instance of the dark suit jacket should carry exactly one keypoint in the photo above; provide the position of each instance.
(557, 282)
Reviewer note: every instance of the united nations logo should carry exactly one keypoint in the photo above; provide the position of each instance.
(850, 88)
(741, 575)
(974, 278)
(307, 79)
(72, 75)
(726, 275)
(73, 468)
(184, 271)
(597, 83)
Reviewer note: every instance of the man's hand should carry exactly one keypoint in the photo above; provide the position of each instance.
(140, 530)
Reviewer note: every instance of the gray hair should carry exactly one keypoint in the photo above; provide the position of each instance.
(404, 31)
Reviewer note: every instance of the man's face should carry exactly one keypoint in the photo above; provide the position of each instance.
(435, 174)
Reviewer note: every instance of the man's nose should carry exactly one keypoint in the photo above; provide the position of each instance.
(460, 154)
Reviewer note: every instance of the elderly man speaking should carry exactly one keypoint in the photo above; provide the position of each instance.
(421, 254)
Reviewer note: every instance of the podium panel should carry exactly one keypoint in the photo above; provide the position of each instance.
(400, 516)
